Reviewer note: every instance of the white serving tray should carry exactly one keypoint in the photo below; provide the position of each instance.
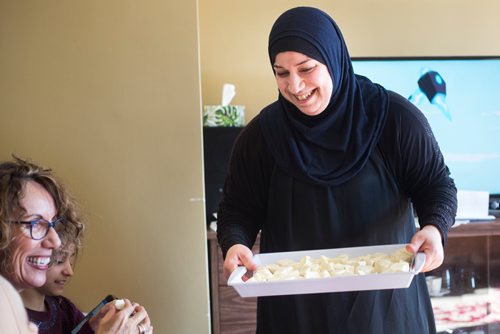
(331, 284)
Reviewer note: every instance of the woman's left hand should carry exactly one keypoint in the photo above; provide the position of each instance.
(428, 240)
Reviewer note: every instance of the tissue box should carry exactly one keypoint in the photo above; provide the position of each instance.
(223, 116)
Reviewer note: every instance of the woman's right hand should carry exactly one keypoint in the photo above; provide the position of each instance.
(238, 255)
(131, 319)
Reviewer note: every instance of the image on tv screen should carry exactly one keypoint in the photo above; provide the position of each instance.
(460, 98)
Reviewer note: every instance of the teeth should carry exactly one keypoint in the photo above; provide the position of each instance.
(304, 96)
(39, 261)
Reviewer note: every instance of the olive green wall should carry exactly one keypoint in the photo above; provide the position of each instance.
(107, 93)
(233, 36)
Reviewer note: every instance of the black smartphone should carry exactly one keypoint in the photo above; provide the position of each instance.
(94, 311)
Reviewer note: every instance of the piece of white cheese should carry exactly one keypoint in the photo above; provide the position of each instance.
(119, 304)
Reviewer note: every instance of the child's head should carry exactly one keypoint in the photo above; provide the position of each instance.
(60, 271)
(62, 262)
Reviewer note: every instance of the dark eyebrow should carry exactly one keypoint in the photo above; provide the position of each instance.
(302, 62)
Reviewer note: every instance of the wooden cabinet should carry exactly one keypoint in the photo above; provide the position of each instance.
(474, 244)
(473, 248)
(231, 314)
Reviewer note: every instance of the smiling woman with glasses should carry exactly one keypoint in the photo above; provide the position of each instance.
(34, 209)
(36, 214)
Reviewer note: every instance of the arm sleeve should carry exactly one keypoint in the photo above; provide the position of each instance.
(75, 316)
(419, 166)
(243, 205)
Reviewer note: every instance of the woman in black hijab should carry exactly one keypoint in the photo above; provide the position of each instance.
(336, 161)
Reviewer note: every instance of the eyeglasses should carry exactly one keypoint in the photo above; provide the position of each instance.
(39, 228)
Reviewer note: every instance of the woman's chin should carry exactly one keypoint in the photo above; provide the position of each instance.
(35, 279)
(36, 282)
(312, 108)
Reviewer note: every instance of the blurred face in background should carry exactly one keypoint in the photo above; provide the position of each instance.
(30, 258)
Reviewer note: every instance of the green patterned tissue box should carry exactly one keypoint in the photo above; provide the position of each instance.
(223, 116)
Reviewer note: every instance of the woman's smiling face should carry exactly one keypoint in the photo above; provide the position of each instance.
(303, 81)
(30, 258)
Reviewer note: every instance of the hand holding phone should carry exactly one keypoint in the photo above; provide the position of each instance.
(94, 311)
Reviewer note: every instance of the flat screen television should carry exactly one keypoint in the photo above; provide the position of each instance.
(460, 97)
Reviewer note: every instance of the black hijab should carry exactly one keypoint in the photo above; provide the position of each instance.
(332, 147)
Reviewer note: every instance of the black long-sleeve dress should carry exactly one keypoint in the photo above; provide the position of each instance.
(372, 208)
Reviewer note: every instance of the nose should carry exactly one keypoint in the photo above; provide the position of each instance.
(295, 83)
(51, 241)
(68, 270)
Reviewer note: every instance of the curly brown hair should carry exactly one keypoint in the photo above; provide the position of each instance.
(71, 237)
(13, 176)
